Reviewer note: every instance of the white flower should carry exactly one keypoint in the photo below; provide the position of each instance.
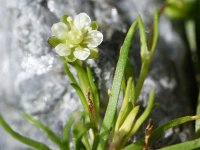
(78, 39)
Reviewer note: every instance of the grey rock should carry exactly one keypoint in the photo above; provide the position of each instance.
(32, 78)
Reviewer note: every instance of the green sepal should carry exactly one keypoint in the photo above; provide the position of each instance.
(94, 53)
(94, 25)
(54, 41)
(64, 18)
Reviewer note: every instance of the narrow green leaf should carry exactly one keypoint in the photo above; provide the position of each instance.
(81, 96)
(134, 146)
(77, 134)
(155, 33)
(54, 41)
(146, 63)
(156, 133)
(144, 53)
(129, 72)
(129, 121)
(181, 9)
(96, 141)
(68, 125)
(80, 133)
(197, 122)
(189, 145)
(123, 86)
(119, 72)
(124, 114)
(142, 77)
(80, 145)
(23, 139)
(119, 136)
(190, 30)
(142, 118)
(172, 123)
(54, 138)
(145, 56)
(126, 99)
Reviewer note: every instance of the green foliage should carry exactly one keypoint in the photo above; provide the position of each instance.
(94, 91)
(67, 129)
(68, 72)
(180, 9)
(158, 132)
(54, 138)
(172, 123)
(189, 145)
(197, 122)
(81, 96)
(32, 143)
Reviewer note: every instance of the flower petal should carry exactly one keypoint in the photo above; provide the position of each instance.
(82, 21)
(93, 39)
(59, 30)
(81, 53)
(62, 50)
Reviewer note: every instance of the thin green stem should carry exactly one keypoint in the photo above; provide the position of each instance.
(68, 72)
(142, 77)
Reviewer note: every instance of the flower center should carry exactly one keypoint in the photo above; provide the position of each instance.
(75, 37)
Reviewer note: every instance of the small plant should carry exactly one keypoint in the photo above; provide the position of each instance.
(75, 40)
